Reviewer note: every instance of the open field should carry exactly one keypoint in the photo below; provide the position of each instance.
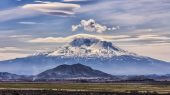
(93, 87)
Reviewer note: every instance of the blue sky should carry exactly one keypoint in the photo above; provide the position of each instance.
(30, 26)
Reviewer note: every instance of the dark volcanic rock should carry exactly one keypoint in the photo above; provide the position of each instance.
(75, 71)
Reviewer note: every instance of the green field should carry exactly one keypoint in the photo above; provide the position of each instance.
(107, 87)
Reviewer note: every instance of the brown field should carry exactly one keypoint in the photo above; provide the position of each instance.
(161, 88)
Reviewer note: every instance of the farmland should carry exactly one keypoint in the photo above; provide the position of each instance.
(93, 88)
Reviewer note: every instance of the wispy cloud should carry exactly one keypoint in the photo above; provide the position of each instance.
(13, 50)
(127, 12)
(60, 39)
(159, 51)
(9, 49)
(146, 38)
(133, 39)
(19, 36)
(7, 56)
(53, 8)
(15, 13)
(28, 23)
(74, 0)
(29, 10)
(70, 38)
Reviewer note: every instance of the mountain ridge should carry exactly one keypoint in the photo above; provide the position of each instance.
(93, 52)
(75, 71)
(79, 72)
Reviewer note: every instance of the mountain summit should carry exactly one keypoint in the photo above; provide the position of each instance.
(89, 47)
(93, 52)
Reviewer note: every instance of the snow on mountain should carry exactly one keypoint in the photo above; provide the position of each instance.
(89, 47)
(94, 52)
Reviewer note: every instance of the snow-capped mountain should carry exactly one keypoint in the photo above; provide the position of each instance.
(96, 53)
(88, 47)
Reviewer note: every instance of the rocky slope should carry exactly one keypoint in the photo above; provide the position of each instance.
(75, 71)
(96, 53)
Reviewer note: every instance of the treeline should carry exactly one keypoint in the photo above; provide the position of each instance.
(52, 92)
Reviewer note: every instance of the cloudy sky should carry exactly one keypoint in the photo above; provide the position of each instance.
(30, 26)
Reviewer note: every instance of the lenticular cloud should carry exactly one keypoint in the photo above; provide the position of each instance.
(55, 8)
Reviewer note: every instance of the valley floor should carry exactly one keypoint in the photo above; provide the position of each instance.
(84, 88)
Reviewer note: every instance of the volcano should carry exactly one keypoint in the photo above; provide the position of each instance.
(75, 71)
(94, 52)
